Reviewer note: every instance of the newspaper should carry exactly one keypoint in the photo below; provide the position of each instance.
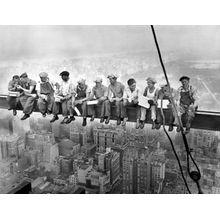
(143, 101)
(165, 103)
(92, 102)
(13, 94)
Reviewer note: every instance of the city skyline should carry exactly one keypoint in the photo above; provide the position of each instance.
(103, 159)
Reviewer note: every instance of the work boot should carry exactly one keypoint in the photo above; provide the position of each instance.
(84, 122)
(44, 115)
(187, 128)
(107, 120)
(14, 112)
(49, 112)
(141, 124)
(118, 121)
(137, 124)
(178, 129)
(92, 118)
(72, 118)
(170, 128)
(64, 120)
(157, 126)
(25, 117)
(124, 122)
(55, 117)
(102, 119)
(153, 125)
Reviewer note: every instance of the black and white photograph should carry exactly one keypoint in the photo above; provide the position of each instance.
(128, 109)
(109, 109)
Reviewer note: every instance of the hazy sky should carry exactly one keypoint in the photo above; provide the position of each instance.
(25, 42)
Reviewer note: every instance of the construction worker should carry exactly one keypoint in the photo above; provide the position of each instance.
(151, 92)
(64, 93)
(115, 95)
(45, 94)
(100, 92)
(14, 92)
(28, 95)
(81, 97)
(130, 99)
(165, 94)
(187, 102)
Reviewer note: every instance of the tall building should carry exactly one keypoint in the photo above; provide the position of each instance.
(83, 138)
(136, 170)
(106, 137)
(74, 133)
(66, 147)
(66, 165)
(11, 146)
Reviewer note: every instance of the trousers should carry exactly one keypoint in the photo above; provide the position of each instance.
(27, 103)
(126, 105)
(152, 111)
(12, 102)
(65, 106)
(45, 105)
(105, 108)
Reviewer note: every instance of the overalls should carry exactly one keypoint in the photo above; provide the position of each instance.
(46, 105)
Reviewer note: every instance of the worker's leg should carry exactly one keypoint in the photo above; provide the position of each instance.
(42, 106)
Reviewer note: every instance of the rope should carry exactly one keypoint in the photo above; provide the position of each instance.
(194, 175)
(173, 148)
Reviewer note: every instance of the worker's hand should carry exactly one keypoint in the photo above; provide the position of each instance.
(102, 98)
(79, 101)
(19, 87)
(118, 99)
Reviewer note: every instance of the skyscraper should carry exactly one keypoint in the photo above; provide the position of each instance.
(136, 170)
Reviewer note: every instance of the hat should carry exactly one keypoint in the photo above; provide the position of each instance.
(98, 79)
(163, 85)
(184, 77)
(15, 77)
(43, 74)
(23, 75)
(64, 73)
(81, 80)
(112, 76)
(150, 79)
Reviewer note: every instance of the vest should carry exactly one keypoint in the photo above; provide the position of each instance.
(186, 97)
(46, 88)
(81, 94)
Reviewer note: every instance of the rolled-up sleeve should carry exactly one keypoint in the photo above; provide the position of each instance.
(11, 86)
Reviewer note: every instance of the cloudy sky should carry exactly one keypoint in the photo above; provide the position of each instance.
(26, 42)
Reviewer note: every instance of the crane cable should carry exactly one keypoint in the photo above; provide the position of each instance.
(194, 175)
(173, 148)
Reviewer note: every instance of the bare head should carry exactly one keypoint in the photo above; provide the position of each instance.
(132, 84)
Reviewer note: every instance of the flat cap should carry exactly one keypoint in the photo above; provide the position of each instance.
(43, 74)
(81, 80)
(64, 73)
(98, 79)
(184, 77)
(112, 75)
(150, 79)
(23, 75)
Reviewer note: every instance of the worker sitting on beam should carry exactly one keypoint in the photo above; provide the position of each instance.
(187, 102)
(130, 99)
(13, 93)
(28, 95)
(100, 93)
(45, 93)
(115, 95)
(151, 93)
(82, 95)
(165, 94)
(63, 98)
